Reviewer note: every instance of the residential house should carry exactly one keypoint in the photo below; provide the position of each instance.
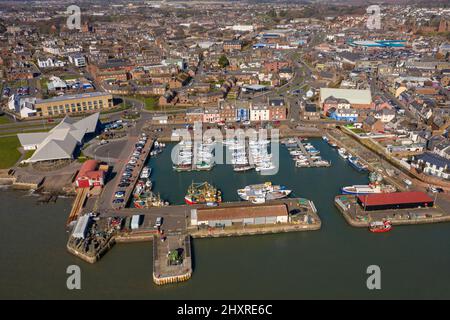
(277, 110)
(211, 115)
(433, 164)
(311, 112)
(260, 112)
(371, 124)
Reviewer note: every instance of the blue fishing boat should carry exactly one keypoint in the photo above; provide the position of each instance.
(356, 163)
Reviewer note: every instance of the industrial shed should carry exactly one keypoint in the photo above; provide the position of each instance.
(395, 200)
(240, 215)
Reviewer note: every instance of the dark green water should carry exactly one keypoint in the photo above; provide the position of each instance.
(330, 263)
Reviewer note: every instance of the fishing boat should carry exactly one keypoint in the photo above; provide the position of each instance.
(380, 226)
(139, 203)
(266, 190)
(148, 200)
(201, 193)
(361, 189)
(356, 163)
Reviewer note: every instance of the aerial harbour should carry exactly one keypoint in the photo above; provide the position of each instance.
(224, 149)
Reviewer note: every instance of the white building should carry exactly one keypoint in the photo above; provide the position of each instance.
(243, 28)
(22, 105)
(78, 60)
(259, 113)
(50, 63)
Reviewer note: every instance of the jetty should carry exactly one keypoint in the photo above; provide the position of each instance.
(78, 204)
(172, 260)
(310, 162)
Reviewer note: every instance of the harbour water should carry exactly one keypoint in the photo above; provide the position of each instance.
(330, 263)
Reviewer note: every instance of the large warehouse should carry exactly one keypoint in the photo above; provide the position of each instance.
(61, 141)
(395, 200)
(248, 215)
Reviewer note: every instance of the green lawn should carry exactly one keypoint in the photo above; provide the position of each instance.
(9, 154)
(357, 130)
(151, 103)
(4, 119)
(28, 154)
(6, 134)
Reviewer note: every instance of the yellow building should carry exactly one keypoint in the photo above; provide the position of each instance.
(70, 104)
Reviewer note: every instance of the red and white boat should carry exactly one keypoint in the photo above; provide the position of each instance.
(380, 226)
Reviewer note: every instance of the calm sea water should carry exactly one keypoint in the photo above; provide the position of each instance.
(330, 263)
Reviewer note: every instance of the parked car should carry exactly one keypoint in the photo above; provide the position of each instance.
(118, 201)
(119, 194)
(159, 222)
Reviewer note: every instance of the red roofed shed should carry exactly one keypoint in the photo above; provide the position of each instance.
(395, 200)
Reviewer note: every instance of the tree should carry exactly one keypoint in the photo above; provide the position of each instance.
(223, 61)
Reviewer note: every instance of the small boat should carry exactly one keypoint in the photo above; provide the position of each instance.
(146, 172)
(343, 153)
(182, 167)
(380, 226)
(243, 168)
(302, 164)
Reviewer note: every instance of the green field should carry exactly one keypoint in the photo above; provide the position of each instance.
(9, 154)
(4, 119)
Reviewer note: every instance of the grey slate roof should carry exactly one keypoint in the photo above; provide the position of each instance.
(61, 141)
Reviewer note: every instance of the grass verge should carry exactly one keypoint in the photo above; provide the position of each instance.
(9, 154)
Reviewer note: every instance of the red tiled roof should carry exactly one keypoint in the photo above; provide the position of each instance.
(394, 198)
(89, 165)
